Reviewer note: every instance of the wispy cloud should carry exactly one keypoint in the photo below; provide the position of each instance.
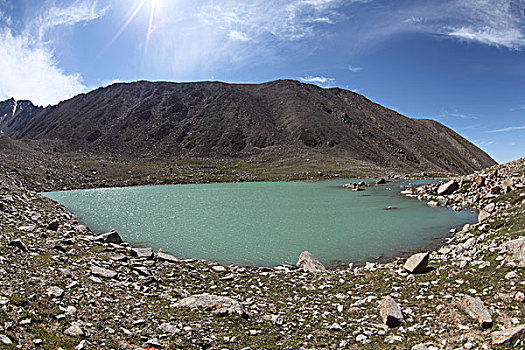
(510, 128)
(354, 69)
(456, 114)
(319, 80)
(237, 35)
(28, 64)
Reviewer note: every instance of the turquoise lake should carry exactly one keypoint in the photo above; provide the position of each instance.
(266, 223)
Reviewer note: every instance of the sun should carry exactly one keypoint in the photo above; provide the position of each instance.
(153, 5)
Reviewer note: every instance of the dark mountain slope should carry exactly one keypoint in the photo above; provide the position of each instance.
(14, 115)
(212, 119)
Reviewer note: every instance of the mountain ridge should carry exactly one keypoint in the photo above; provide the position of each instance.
(216, 119)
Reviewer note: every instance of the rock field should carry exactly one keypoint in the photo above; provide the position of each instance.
(65, 287)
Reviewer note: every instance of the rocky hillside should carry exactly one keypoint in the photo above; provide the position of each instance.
(65, 287)
(218, 120)
(14, 115)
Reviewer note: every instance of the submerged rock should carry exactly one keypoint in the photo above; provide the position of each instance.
(307, 262)
(417, 263)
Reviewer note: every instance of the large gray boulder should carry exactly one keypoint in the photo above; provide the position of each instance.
(166, 257)
(447, 188)
(477, 310)
(417, 263)
(220, 305)
(307, 262)
(509, 337)
(390, 312)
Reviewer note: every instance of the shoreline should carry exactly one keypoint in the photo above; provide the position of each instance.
(334, 265)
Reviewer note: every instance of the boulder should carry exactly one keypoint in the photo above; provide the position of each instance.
(142, 253)
(432, 203)
(516, 251)
(417, 263)
(380, 182)
(476, 309)
(5, 339)
(219, 304)
(509, 337)
(102, 272)
(391, 312)
(110, 237)
(447, 188)
(307, 262)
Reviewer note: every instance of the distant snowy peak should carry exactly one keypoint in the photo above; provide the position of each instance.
(13, 113)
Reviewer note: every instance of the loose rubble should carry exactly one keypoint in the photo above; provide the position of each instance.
(63, 286)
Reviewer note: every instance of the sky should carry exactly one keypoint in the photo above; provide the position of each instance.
(460, 62)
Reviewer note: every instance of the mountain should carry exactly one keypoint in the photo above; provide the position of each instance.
(15, 114)
(214, 119)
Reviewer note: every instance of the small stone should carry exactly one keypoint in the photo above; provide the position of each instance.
(391, 312)
(476, 309)
(335, 327)
(361, 338)
(74, 331)
(82, 345)
(220, 304)
(4, 300)
(432, 203)
(519, 297)
(101, 272)
(168, 328)
(142, 253)
(153, 343)
(417, 263)
(509, 337)
(219, 268)
(53, 225)
(166, 257)
(516, 251)
(110, 237)
(18, 244)
(483, 215)
(4, 339)
(308, 263)
(511, 274)
(55, 292)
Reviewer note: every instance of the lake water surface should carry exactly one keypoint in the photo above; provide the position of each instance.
(265, 224)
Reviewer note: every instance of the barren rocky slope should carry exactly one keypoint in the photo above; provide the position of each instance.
(218, 120)
(63, 286)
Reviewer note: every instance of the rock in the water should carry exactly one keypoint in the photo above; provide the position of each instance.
(476, 309)
(432, 203)
(142, 253)
(391, 312)
(110, 237)
(380, 182)
(219, 304)
(18, 243)
(307, 262)
(74, 331)
(55, 292)
(417, 263)
(509, 337)
(447, 188)
(516, 251)
(102, 272)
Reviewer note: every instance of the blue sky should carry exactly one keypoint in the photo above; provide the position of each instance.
(461, 62)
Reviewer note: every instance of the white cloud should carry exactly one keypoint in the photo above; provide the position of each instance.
(29, 71)
(510, 128)
(28, 64)
(354, 69)
(237, 35)
(77, 12)
(320, 80)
